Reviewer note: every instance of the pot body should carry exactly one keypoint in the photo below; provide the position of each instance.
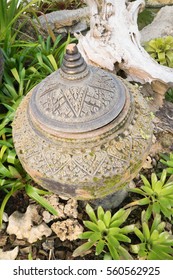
(90, 165)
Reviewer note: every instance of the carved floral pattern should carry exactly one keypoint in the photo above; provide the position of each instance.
(70, 165)
(76, 102)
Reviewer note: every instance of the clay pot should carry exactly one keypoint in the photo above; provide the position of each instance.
(82, 132)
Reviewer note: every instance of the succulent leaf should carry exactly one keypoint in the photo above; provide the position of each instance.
(91, 214)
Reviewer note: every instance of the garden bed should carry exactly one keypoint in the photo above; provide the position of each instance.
(52, 225)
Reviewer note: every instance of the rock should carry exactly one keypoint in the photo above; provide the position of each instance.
(4, 221)
(22, 225)
(5, 217)
(9, 255)
(67, 209)
(159, 2)
(63, 197)
(163, 129)
(19, 242)
(161, 26)
(68, 229)
(53, 199)
(47, 217)
(48, 244)
(3, 227)
(3, 239)
(25, 250)
(76, 20)
(70, 209)
(60, 254)
(148, 163)
(132, 184)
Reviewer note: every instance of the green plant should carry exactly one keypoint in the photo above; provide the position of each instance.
(168, 161)
(30, 257)
(155, 242)
(169, 95)
(105, 233)
(10, 11)
(161, 49)
(47, 6)
(26, 64)
(158, 195)
(13, 178)
(146, 17)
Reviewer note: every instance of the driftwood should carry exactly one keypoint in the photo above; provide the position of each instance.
(114, 40)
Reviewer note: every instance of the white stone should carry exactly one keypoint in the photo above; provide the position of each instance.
(9, 255)
(159, 2)
(5, 217)
(68, 229)
(148, 163)
(65, 210)
(161, 26)
(70, 209)
(22, 225)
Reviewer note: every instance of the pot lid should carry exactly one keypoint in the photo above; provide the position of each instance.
(77, 98)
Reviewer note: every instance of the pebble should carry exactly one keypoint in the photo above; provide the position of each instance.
(48, 245)
(154, 162)
(5, 217)
(148, 163)
(25, 250)
(3, 240)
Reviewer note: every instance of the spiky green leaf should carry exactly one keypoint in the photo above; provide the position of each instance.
(145, 181)
(100, 213)
(128, 229)
(83, 249)
(147, 190)
(113, 241)
(107, 218)
(34, 194)
(85, 235)
(156, 208)
(101, 226)
(92, 226)
(143, 201)
(122, 237)
(139, 234)
(100, 247)
(113, 251)
(146, 230)
(117, 215)
(91, 213)
(113, 231)
(95, 236)
(163, 176)
(124, 254)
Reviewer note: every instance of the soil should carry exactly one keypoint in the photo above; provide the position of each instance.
(51, 248)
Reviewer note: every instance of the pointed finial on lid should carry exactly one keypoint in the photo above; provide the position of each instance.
(73, 66)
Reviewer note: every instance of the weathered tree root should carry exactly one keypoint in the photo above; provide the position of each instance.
(114, 39)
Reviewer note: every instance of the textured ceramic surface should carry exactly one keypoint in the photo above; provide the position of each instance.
(77, 98)
(85, 137)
